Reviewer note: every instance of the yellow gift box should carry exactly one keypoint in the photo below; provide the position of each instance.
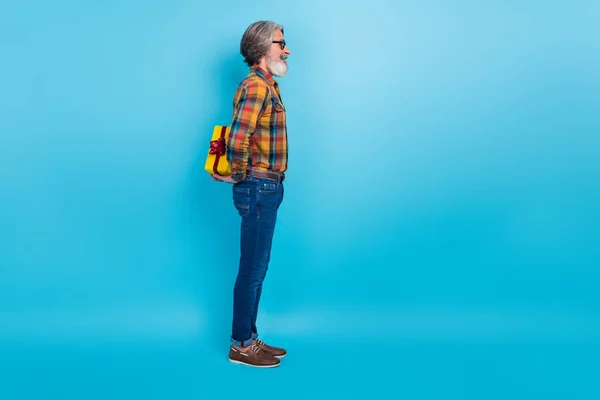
(216, 162)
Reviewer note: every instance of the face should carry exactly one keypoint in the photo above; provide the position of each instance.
(276, 57)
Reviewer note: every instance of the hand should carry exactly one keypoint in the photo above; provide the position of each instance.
(220, 178)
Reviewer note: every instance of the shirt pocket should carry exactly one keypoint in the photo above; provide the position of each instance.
(277, 105)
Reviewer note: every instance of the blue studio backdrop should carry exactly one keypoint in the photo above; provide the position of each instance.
(439, 235)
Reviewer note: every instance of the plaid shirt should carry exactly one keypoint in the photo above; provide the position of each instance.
(258, 135)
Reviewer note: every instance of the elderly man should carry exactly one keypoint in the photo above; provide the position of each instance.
(257, 151)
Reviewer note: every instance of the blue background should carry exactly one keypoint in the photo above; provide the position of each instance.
(439, 237)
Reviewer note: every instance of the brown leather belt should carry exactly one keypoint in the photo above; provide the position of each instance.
(266, 175)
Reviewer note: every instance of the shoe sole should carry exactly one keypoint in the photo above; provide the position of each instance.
(252, 365)
(280, 357)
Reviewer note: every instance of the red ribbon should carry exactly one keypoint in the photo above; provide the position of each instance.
(218, 147)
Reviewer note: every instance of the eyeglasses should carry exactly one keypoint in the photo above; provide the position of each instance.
(281, 43)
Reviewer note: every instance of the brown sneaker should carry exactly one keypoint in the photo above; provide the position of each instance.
(274, 351)
(254, 356)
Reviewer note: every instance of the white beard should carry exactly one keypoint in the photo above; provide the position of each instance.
(277, 67)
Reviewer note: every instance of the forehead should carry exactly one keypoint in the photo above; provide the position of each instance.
(278, 35)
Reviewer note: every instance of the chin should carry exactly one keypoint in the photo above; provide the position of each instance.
(278, 69)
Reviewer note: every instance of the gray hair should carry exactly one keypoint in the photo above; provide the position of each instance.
(257, 40)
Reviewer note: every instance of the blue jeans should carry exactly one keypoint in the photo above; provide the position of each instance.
(257, 201)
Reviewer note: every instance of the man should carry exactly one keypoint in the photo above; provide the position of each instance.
(257, 151)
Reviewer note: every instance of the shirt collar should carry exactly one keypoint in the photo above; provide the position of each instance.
(265, 75)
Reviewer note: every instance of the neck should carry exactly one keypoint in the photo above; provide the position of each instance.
(263, 65)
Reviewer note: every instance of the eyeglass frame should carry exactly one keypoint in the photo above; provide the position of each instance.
(281, 43)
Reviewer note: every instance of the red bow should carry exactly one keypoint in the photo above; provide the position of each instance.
(217, 146)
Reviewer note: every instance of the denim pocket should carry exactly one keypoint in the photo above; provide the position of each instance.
(241, 200)
(268, 187)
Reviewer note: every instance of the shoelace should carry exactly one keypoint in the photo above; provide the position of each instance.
(255, 348)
